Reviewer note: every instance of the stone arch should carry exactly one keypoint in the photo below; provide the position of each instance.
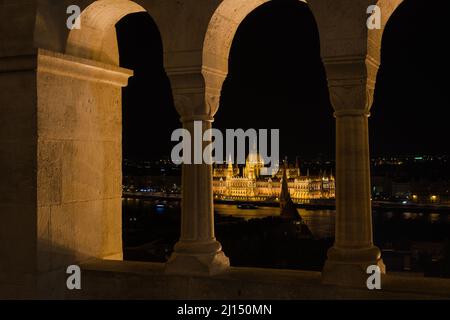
(375, 36)
(374, 39)
(217, 45)
(96, 40)
(80, 139)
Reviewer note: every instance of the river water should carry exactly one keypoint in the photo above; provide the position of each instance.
(425, 226)
(320, 222)
(150, 232)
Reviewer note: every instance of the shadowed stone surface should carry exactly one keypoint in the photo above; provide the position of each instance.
(137, 280)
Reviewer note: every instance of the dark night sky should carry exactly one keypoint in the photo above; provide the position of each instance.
(149, 116)
(410, 110)
(276, 80)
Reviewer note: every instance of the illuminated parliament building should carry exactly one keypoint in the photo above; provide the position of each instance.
(246, 183)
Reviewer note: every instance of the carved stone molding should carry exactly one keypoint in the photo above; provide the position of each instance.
(188, 79)
(83, 69)
(212, 101)
(213, 78)
(182, 103)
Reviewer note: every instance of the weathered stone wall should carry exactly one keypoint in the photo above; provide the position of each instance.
(79, 160)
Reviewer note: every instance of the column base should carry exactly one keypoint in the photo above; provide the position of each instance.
(190, 259)
(348, 267)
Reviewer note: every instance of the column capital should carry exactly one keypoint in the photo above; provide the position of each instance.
(196, 91)
(351, 81)
(188, 89)
(350, 98)
(190, 105)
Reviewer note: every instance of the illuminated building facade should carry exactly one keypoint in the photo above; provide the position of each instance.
(230, 184)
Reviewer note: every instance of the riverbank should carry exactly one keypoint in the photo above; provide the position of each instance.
(330, 205)
(323, 204)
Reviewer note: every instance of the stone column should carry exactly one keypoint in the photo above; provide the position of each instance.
(197, 252)
(353, 251)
